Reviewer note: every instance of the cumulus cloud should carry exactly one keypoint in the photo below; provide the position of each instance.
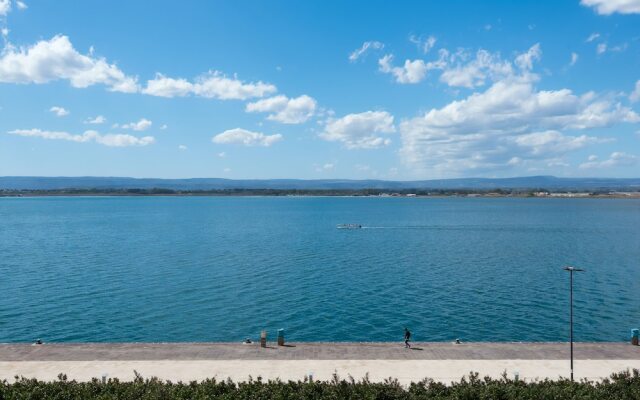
(286, 110)
(111, 140)
(616, 159)
(214, 84)
(424, 44)
(142, 125)
(96, 121)
(411, 72)
(366, 47)
(246, 138)
(182, 147)
(59, 111)
(635, 95)
(56, 59)
(525, 60)
(486, 130)
(485, 66)
(608, 7)
(462, 69)
(360, 131)
(549, 142)
(21, 5)
(5, 7)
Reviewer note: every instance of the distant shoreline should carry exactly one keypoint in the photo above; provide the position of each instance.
(251, 193)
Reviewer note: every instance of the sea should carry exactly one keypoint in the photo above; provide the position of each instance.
(196, 269)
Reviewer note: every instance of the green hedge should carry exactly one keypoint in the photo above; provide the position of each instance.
(624, 385)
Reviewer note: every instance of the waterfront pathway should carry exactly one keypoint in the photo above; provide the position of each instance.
(195, 361)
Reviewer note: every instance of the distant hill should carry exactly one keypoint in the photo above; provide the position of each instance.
(528, 182)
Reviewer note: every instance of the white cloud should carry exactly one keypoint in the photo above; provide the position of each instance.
(182, 147)
(142, 125)
(5, 7)
(163, 86)
(424, 44)
(601, 48)
(283, 109)
(360, 131)
(59, 111)
(111, 140)
(608, 7)
(222, 154)
(325, 167)
(214, 84)
(525, 60)
(486, 130)
(96, 121)
(411, 72)
(574, 59)
(635, 95)
(246, 138)
(485, 66)
(164, 127)
(593, 37)
(366, 47)
(21, 5)
(616, 159)
(56, 59)
(620, 47)
(460, 70)
(548, 142)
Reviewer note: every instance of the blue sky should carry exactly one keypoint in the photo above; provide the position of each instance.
(325, 89)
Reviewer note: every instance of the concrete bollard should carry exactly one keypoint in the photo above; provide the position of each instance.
(280, 337)
(634, 336)
(263, 339)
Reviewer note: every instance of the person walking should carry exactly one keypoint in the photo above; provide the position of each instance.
(407, 338)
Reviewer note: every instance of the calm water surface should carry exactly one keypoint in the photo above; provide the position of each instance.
(221, 269)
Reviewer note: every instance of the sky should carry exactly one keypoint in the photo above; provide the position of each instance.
(320, 89)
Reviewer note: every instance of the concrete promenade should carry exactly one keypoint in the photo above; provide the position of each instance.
(196, 361)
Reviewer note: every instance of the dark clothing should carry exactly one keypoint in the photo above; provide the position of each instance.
(407, 337)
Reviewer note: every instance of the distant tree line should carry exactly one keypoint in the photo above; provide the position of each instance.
(292, 192)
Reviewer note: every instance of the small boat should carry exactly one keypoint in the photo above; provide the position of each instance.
(349, 226)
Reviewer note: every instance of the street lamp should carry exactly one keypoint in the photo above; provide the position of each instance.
(571, 271)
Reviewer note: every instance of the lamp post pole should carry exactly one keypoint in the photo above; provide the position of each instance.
(571, 271)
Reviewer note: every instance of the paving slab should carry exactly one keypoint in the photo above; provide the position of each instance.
(316, 351)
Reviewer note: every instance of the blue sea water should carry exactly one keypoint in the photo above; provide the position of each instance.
(223, 268)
